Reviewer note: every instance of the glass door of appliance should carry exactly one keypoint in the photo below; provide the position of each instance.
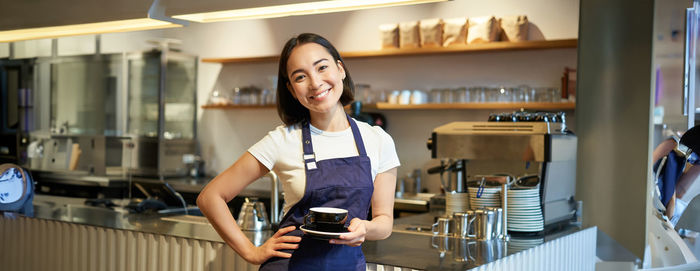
(175, 75)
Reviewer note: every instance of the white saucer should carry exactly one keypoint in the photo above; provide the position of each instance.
(322, 234)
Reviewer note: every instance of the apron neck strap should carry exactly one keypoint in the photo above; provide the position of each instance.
(309, 148)
(358, 138)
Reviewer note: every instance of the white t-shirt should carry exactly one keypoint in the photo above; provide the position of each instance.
(281, 151)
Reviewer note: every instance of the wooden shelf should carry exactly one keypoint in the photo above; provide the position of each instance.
(482, 106)
(469, 48)
(466, 106)
(237, 106)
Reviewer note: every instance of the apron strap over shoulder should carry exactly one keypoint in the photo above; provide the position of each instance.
(358, 139)
(310, 157)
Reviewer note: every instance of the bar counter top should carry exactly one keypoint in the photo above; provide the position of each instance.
(412, 245)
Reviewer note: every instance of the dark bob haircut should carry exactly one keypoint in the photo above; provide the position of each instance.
(289, 108)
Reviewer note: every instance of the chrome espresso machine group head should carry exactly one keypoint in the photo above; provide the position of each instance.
(546, 143)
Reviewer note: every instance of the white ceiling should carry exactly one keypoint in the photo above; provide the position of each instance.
(41, 13)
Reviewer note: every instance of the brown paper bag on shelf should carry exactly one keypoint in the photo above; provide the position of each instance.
(514, 28)
(431, 32)
(389, 35)
(483, 29)
(409, 35)
(454, 32)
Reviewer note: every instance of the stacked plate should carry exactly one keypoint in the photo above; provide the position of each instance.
(516, 245)
(524, 211)
(486, 197)
(456, 203)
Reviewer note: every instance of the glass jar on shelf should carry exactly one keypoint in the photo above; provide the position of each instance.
(435, 95)
(476, 94)
(381, 96)
(491, 94)
(236, 95)
(543, 95)
(418, 97)
(461, 95)
(555, 94)
(528, 93)
(503, 95)
(405, 97)
(363, 93)
(448, 96)
(394, 97)
(219, 96)
(521, 94)
(264, 93)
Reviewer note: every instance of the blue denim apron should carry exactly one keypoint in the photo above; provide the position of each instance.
(342, 183)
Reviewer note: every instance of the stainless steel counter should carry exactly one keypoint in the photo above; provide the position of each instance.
(411, 244)
(74, 210)
(415, 246)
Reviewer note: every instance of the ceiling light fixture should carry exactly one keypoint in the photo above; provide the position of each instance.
(156, 20)
(316, 7)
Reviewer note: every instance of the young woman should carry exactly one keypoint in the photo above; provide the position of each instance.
(322, 157)
(678, 173)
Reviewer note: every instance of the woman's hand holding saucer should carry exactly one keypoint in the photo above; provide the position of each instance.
(356, 235)
(271, 247)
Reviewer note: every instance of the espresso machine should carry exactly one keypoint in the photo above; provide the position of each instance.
(543, 142)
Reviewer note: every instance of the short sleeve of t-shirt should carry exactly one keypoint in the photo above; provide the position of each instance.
(388, 158)
(267, 149)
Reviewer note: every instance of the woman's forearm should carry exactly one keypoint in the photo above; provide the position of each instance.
(218, 214)
(686, 180)
(382, 206)
(379, 227)
(213, 198)
(662, 150)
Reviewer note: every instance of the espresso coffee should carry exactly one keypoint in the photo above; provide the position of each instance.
(326, 219)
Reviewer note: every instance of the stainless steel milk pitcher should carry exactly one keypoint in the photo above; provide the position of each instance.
(484, 222)
(463, 222)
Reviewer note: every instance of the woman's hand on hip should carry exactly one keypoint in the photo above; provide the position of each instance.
(271, 247)
(358, 231)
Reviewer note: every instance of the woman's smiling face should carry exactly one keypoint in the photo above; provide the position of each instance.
(315, 78)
